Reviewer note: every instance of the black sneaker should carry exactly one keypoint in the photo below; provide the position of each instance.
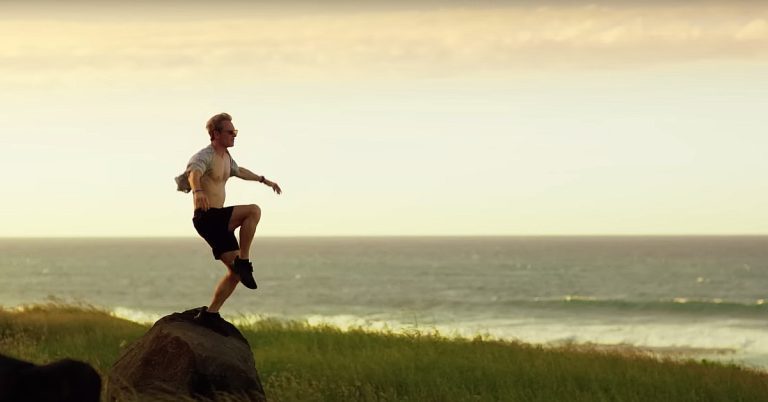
(212, 321)
(244, 269)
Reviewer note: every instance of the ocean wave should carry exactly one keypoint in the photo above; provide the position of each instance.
(139, 316)
(717, 339)
(672, 305)
(731, 339)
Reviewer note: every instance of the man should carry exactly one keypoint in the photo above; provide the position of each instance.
(206, 174)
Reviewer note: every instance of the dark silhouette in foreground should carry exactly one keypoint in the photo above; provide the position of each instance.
(179, 356)
(61, 381)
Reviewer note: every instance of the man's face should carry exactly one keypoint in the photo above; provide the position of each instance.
(226, 134)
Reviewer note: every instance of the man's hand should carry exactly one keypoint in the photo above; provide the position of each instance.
(274, 186)
(201, 200)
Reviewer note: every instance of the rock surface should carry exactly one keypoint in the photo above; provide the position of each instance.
(179, 357)
(61, 381)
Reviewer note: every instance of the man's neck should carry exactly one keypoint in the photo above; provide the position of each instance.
(218, 149)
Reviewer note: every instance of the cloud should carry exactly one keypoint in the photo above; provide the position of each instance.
(756, 29)
(439, 41)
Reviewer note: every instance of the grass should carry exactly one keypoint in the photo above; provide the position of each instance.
(297, 362)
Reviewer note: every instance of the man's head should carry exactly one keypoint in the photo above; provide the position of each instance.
(221, 130)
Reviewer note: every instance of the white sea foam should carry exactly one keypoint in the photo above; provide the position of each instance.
(740, 341)
(744, 339)
(139, 316)
(730, 340)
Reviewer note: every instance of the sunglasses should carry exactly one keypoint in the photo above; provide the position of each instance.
(230, 132)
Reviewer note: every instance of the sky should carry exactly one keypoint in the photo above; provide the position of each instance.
(396, 118)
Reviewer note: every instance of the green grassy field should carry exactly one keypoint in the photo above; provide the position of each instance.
(301, 363)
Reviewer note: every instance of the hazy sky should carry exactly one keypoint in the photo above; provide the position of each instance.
(425, 118)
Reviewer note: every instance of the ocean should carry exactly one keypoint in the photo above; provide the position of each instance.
(700, 297)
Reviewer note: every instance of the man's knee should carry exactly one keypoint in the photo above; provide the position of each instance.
(228, 258)
(233, 277)
(255, 211)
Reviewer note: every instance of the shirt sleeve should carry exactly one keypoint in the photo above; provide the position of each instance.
(199, 161)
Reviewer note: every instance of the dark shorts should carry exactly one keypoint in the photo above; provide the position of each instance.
(213, 226)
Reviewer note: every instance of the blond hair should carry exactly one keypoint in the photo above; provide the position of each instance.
(214, 123)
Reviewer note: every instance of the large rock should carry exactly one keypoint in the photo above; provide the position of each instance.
(178, 357)
(61, 381)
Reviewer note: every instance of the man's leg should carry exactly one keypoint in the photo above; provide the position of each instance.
(227, 284)
(246, 217)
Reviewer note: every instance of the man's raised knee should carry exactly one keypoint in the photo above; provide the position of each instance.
(255, 211)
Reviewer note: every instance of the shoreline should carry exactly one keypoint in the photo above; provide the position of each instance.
(300, 362)
(349, 323)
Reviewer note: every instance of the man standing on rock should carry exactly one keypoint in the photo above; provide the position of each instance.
(206, 174)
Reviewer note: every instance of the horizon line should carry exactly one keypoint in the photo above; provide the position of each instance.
(404, 235)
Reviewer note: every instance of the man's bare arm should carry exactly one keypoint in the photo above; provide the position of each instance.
(201, 200)
(246, 174)
(194, 179)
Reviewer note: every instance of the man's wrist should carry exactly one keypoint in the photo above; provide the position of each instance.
(197, 190)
